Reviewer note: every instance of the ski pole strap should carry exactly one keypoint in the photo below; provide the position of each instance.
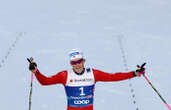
(157, 92)
(35, 71)
(147, 80)
(32, 77)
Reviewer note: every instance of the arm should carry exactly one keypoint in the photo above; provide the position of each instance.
(59, 78)
(104, 76)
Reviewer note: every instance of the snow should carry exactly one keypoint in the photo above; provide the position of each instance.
(48, 30)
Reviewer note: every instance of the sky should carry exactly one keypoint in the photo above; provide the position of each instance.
(48, 30)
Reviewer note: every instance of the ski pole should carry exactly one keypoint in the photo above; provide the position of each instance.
(31, 86)
(157, 92)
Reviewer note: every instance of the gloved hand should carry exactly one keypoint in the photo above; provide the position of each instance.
(140, 70)
(32, 65)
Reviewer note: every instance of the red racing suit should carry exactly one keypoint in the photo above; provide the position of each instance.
(75, 101)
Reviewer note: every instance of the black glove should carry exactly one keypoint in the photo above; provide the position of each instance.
(32, 65)
(140, 70)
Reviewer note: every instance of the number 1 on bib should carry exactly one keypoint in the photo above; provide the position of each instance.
(82, 91)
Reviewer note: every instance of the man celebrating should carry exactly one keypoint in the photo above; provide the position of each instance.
(79, 82)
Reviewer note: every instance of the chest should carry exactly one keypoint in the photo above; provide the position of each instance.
(74, 80)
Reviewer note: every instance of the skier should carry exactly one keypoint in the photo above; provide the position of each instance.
(79, 82)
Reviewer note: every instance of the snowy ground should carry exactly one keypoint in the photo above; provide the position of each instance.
(47, 30)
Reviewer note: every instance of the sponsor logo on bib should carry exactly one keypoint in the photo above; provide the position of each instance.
(81, 102)
(83, 80)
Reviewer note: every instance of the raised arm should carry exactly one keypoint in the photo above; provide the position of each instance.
(55, 79)
(104, 76)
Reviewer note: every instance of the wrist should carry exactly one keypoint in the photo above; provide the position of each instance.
(35, 71)
(134, 73)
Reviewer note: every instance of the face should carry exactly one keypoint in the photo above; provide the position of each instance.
(78, 65)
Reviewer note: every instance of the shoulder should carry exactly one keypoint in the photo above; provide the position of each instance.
(96, 72)
(62, 76)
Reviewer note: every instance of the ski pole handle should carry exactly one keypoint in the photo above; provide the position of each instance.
(30, 60)
(142, 66)
(157, 92)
